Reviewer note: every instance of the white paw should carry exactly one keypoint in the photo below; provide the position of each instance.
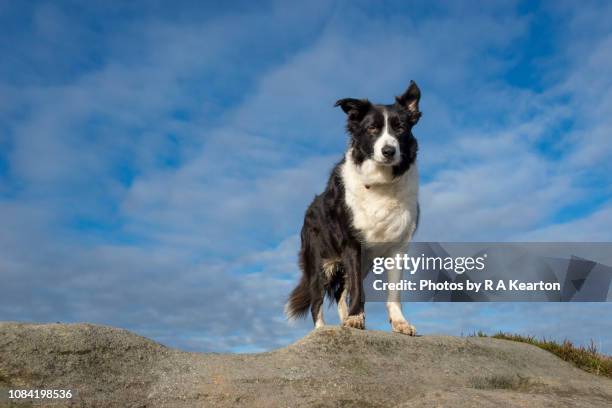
(402, 326)
(355, 321)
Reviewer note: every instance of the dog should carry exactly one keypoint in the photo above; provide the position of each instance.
(368, 209)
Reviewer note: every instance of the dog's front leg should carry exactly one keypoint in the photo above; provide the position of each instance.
(354, 280)
(399, 324)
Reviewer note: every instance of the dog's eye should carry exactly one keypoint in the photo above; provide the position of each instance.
(398, 127)
(372, 129)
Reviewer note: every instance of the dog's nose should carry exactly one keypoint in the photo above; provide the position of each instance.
(388, 151)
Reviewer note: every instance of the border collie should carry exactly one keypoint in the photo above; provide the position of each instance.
(369, 209)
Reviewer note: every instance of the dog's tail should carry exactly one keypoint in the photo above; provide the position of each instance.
(299, 300)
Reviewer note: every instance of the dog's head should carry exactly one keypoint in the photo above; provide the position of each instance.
(383, 133)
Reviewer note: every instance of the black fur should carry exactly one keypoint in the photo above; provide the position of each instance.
(328, 231)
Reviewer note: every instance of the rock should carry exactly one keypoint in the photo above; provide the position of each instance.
(332, 366)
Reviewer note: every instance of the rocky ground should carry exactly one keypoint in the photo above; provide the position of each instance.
(331, 367)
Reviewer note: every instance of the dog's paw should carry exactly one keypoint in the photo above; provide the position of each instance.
(355, 322)
(403, 327)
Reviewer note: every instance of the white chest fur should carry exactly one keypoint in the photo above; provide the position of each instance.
(385, 210)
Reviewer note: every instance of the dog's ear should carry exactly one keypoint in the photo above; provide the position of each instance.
(409, 100)
(354, 108)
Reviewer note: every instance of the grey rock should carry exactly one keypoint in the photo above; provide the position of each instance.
(330, 367)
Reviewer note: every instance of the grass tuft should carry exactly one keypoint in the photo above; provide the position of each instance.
(587, 358)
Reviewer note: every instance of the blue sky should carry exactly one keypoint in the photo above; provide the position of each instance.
(156, 158)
